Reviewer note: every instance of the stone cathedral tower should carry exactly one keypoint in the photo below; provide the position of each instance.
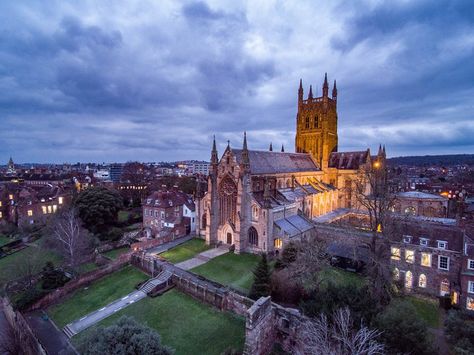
(316, 124)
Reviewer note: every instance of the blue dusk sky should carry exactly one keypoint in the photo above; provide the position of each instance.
(154, 80)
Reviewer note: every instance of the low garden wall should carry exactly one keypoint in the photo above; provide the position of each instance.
(80, 282)
(29, 343)
(151, 243)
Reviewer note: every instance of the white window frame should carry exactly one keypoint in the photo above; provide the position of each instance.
(424, 242)
(407, 239)
(439, 262)
(395, 255)
(412, 259)
(470, 264)
(444, 243)
(470, 287)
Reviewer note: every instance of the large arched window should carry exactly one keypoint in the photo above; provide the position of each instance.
(227, 200)
(411, 211)
(422, 281)
(396, 274)
(408, 279)
(253, 236)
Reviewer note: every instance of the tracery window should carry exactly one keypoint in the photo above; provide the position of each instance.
(307, 123)
(227, 200)
(253, 236)
(316, 121)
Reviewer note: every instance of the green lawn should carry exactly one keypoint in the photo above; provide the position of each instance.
(82, 269)
(230, 269)
(4, 240)
(185, 324)
(97, 295)
(114, 254)
(341, 277)
(185, 251)
(426, 309)
(13, 266)
(122, 216)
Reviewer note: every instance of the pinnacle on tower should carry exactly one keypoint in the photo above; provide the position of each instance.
(282, 148)
(334, 91)
(214, 159)
(383, 150)
(271, 147)
(300, 91)
(325, 85)
(245, 152)
(380, 150)
(310, 94)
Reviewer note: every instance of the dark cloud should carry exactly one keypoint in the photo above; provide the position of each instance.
(154, 81)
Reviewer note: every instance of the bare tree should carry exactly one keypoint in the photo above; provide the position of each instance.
(26, 267)
(10, 341)
(69, 237)
(320, 336)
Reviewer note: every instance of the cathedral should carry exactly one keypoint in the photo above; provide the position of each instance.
(258, 201)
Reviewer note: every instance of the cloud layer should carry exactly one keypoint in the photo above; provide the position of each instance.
(153, 81)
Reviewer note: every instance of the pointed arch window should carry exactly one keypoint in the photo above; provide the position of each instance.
(422, 281)
(316, 121)
(227, 200)
(253, 236)
(307, 123)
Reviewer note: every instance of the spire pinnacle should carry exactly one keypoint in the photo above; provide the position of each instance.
(325, 85)
(214, 158)
(282, 148)
(334, 91)
(310, 94)
(301, 84)
(245, 141)
(271, 147)
(245, 154)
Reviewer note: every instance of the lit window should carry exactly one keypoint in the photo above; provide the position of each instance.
(407, 239)
(470, 264)
(470, 287)
(0, 203)
(444, 288)
(255, 212)
(60, 200)
(470, 303)
(50, 209)
(396, 274)
(10, 197)
(426, 259)
(410, 256)
(395, 253)
(424, 242)
(1, 215)
(278, 243)
(408, 279)
(443, 262)
(30, 213)
(442, 244)
(44, 209)
(422, 281)
(55, 208)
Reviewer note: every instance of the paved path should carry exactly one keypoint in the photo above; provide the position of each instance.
(96, 316)
(52, 339)
(203, 257)
(164, 247)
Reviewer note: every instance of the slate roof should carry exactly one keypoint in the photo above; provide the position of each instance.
(348, 160)
(293, 225)
(165, 199)
(420, 195)
(266, 162)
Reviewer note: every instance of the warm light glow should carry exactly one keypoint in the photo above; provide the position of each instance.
(409, 256)
(278, 243)
(30, 213)
(376, 165)
(379, 228)
(60, 200)
(10, 197)
(395, 253)
(426, 259)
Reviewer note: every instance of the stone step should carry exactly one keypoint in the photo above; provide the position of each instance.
(69, 333)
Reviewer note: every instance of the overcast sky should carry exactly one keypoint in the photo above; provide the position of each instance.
(154, 80)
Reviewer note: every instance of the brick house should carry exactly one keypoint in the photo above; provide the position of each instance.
(168, 213)
(416, 203)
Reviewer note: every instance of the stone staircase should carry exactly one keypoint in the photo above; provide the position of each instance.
(162, 278)
(68, 331)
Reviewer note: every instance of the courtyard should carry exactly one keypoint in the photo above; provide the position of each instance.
(185, 324)
(185, 251)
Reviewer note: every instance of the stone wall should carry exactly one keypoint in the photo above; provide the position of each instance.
(29, 343)
(80, 282)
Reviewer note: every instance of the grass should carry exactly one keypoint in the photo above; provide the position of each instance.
(230, 269)
(426, 309)
(115, 253)
(341, 277)
(185, 324)
(4, 240)
(87, 267)
(11, 266)
(122, 216)
(97, 295)
(185, 251)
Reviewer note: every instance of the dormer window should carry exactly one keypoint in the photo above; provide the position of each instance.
(424, 242)
(407, 239)
(442, 244)
(148, 201)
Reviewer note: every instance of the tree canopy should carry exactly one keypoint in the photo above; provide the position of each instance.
(126, 337)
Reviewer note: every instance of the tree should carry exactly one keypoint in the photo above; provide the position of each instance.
(459, 328)
(402, 329)
(126, 337)
(374, 197)
(338, 337)
(52, 278)
(10, 341)
(262, 279)
(69, 237)
(26, 267)
(98, 208)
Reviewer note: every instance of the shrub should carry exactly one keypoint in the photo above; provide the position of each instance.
(52, 278)
(286, 289)
(26, 298)
(459, 327)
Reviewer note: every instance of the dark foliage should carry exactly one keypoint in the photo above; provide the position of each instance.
(98, 208)
(27, 297)
(262, 279)
(52, 278)
(402, 329)
(285, 288)
(126, 337)
(459, 327)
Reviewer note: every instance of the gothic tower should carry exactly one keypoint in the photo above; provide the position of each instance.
(316, 124)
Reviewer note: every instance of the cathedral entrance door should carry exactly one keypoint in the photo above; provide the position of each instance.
(229, 238)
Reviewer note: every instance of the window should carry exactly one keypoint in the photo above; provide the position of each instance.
(1, 215)
(10, 197)
(60, 200)
(410, 256)
(470, 264)
(148, 201)
(255, 212)
(278, 243)
(444, 288)
(176, 208)
(395, 253)
(50, 209)
(408, 279)
(30, 213)
(316, 121)
(422, 281)
(442, 244)
(424, 242)
(410, 211)
(426, 259)
(0, 203)
(29, 203)
(407, 239)
(306, 125)
(253, 236)
(44, 209)
(470, 287)
(443, 262)
(396, 274)
(162, 214)
(156, 214)
(470, 303)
